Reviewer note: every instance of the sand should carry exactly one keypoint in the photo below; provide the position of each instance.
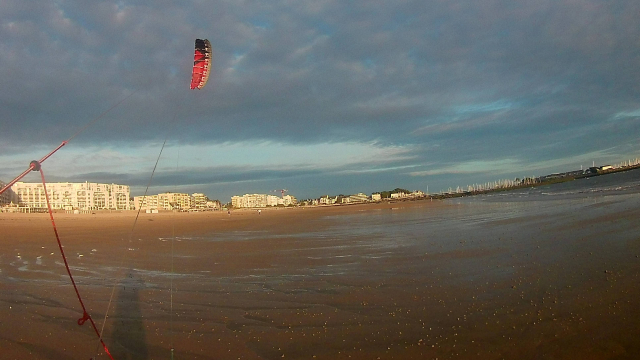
(262, 290)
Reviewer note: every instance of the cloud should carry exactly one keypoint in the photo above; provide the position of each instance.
(494, 166)
(627, 114)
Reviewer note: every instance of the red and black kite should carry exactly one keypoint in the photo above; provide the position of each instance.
(201, 64)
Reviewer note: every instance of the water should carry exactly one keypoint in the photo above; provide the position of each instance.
(611, 184)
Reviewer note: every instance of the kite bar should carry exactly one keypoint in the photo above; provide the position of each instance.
(34, 165)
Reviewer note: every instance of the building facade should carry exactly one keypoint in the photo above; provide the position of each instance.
(148, 202)
(6, 197)
(72, 196)
(359, 197)
(164, 201)
(175, 201)
(199, 201)
(261, 201)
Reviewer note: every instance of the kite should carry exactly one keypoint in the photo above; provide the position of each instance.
(201, 64)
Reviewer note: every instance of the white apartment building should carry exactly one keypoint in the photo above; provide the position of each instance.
(199, 201)
(170, 201)
(288, 200)
(148, 202)
(403, 195)
(261, 200)
(164, 201)
(326, 200)
(252, 200)
(70, 196)
(359, 197)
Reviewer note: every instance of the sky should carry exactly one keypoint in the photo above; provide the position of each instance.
(321, 97)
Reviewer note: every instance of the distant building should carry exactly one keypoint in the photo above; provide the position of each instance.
(261, 201)
(164, 201)
(148, 202)
(199, 201)
(251, 201)
(399, 195)
(413, 195)
(358, 198)
(326, 200)
(175, 201)
(70, 196)
(272, 200)
(376, 197)
(289, 200)
(213, 205)
(6, 197)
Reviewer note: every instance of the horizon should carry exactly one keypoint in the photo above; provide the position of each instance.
(623, 164)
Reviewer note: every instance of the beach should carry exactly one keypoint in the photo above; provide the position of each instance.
(477, 278)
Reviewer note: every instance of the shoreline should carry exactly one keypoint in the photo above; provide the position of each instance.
(371, 204)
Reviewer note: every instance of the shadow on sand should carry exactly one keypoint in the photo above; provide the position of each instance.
(128, 336)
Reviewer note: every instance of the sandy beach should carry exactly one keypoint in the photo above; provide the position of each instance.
(301, 284)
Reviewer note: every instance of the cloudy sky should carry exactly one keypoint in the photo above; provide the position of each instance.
(317, 97)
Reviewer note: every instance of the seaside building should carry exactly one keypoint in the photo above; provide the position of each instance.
(273, 200)
(359, 197)
(149, 202)
(6, 197)
(175, 201)
(288, 200)
(199, 201)
(171, 201)
(213, 205)
(376, 197)
(73, 196)
(398, 195)
(416, 194)
(327, 200)
(253, 201)
(164, 201)
(261, 201)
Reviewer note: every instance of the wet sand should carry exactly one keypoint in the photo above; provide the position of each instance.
(301, 284)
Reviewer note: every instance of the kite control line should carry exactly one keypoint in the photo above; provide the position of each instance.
(35, 166)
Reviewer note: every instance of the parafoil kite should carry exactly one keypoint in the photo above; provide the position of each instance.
(201, 64)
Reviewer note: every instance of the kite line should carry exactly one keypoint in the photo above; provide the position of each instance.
(85, 315)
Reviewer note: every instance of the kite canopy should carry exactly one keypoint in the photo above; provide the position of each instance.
(201, 64)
